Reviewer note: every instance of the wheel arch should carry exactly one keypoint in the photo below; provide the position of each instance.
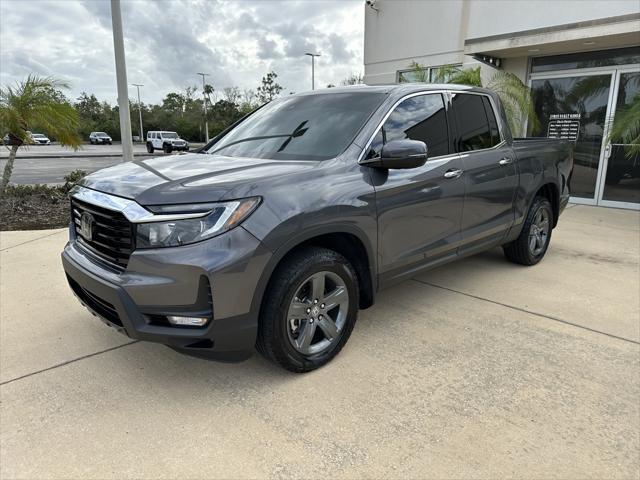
(551, 192)
(349, 242)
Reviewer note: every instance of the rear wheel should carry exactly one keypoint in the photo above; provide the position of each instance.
(532, 244)
(149, 148)
(309, 310)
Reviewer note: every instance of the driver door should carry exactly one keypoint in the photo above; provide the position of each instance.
(419, 209)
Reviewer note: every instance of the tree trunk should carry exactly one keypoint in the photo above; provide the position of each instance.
(8, 168)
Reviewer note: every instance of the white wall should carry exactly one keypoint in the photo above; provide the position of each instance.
(432, 32)
(495, 17)
(427, 31)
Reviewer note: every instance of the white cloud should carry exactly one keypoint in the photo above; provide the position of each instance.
(167, 42)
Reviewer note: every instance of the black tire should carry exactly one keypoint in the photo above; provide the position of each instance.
(166, 148)
(520, 250)
(149, 148)
(91, 142)
(273, 331)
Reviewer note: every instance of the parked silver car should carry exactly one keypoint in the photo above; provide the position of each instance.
(100, 138)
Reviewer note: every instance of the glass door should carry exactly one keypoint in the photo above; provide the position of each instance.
(621, 182)
(575, 106)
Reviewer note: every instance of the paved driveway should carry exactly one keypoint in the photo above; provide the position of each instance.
(479, 369)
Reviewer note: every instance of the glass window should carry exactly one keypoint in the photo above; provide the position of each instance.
(306, 127)
(622, 183)
(421, 118)
(602, 58)
(493, 123)
(575, 108)
(424, 75)
(414, 76)
(474, 132)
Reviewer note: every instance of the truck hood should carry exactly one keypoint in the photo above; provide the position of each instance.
(191, 178)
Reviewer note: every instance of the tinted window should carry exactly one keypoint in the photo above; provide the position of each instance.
(493, 123)
(473, 126)
(308, 127)
(421, 118)
(618, 56)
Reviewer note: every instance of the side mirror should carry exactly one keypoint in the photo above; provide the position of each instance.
(400, 154)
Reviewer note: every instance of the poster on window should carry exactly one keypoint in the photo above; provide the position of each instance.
(564, 125)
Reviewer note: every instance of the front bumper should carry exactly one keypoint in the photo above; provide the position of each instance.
(217, 277)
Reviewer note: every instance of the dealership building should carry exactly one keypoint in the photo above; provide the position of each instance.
(580, 58)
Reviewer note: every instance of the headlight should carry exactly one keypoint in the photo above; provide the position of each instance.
(219, 218)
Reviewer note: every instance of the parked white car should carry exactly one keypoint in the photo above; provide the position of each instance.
(96, 138)
(40, 139)
(165, 141)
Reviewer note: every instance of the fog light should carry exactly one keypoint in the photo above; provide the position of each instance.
(188, 321)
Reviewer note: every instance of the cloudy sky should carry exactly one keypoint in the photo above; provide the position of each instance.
(167, 42)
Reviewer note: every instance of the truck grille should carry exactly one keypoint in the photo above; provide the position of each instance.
(111, 239)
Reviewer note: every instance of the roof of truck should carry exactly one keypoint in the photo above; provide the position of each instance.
(401, 88)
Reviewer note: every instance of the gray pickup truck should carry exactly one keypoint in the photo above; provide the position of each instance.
(277, 232)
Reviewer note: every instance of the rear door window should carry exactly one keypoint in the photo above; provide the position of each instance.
(474, 131)
(493, 123)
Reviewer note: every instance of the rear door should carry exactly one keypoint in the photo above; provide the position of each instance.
(419, 209)
(490, 170)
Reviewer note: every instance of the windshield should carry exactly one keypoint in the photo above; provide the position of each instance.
(308, 127)
(39, 135)
(169, 135)
(102, 134)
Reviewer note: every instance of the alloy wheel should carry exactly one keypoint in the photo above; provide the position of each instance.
(317, 313)
(539, 232)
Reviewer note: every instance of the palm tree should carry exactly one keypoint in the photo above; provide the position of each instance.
(35, 102)
(515, 96)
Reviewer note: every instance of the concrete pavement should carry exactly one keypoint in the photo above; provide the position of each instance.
(479, 369)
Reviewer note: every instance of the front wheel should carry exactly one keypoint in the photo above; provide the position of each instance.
(532, 244)
(166, 148)
(309, 310)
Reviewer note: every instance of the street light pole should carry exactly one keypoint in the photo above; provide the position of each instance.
(313, 69)
(121, 76)
(138, 85)
(204, 95)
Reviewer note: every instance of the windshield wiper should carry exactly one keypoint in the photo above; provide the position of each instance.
(298, 132)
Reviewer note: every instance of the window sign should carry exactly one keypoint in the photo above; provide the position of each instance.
(564, 125)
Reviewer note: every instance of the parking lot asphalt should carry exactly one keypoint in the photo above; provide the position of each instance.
(478, 369)
(50, 163)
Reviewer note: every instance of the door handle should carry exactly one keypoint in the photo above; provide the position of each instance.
(505, 161)
(455, 173)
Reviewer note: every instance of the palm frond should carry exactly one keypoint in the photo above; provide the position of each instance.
(36, 102)
(467, 76)
(516, 99)
(443, 73)
(421, 73)
(626, 127)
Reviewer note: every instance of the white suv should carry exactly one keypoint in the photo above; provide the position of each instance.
(165, 141)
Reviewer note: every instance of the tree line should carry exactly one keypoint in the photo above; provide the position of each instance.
(181, 111)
